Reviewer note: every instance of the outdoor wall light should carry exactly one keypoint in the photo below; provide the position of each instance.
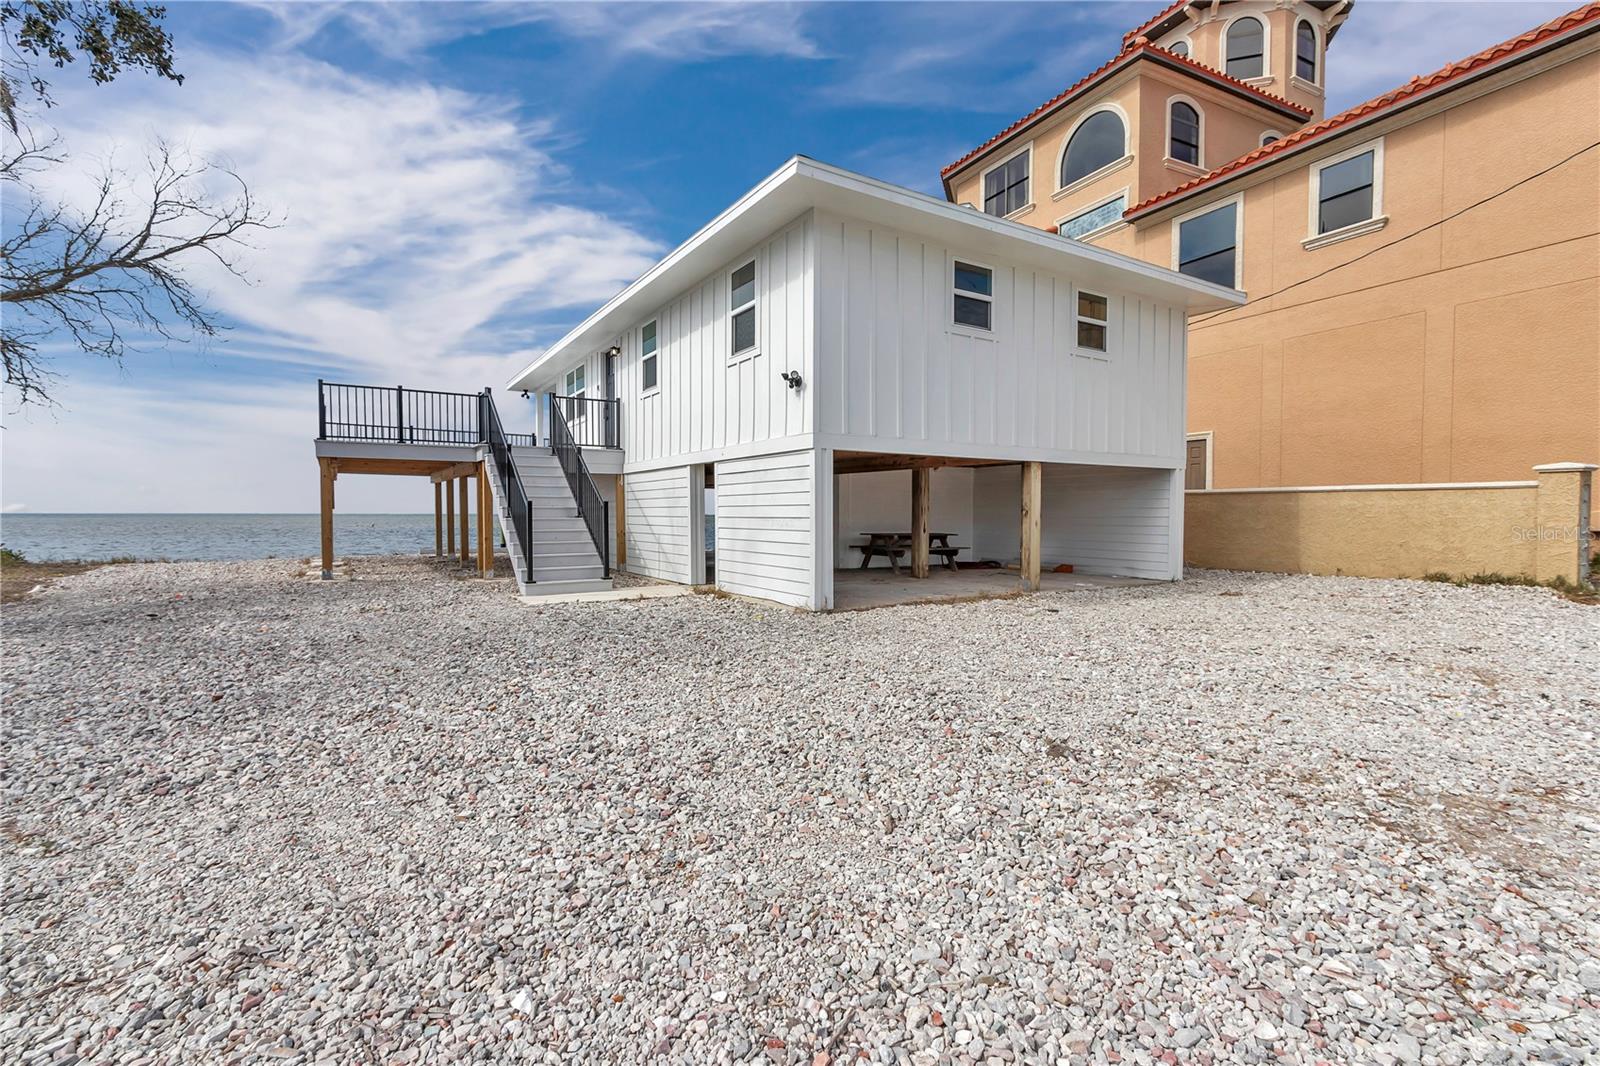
(792, 378)
(614, 350)
(524, 394)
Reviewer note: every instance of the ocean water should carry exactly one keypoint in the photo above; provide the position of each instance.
(47, 537)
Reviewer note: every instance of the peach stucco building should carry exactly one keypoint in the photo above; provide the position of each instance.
(1421, 269)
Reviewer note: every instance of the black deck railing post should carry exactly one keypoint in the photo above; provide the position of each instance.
(400, 412)
(322, 411)
(605, 535)
(527, 543)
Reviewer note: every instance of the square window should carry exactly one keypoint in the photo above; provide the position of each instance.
(1207, 245)
(1005, 188)
(972, 312)
(1093, 317)
(649, 369)
(974, 296)
(1344, 193)
(744, 330)
(574, 381)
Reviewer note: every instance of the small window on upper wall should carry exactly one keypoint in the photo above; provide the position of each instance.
(1005, 188)
(1269, 138)
(574, 381)
(1345, 192)
(1092, 319)
(647, 348)
(742, 307)
(1179, 48)
(1185, 144)
(1208, 245)
(1305, 51)
(974, 296)
(1246, 48)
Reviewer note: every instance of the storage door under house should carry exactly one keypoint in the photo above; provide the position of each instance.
(1194, 474)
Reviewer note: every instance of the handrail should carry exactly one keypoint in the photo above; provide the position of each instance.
(592, 421)
(518, 507)
(595, 512)
(380, 414)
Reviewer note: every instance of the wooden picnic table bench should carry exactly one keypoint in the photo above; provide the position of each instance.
(893, 545)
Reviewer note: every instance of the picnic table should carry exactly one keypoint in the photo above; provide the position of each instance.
(893, 545)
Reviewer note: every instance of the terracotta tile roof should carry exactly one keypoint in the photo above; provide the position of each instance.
(1141, 48)
(1589, 13)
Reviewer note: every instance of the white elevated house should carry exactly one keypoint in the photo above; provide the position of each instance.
(846, 363)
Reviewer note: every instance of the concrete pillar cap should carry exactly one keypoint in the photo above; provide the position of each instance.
(1564, 468)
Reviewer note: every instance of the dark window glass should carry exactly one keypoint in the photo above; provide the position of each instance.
(1206, 246)
(744, 330)
(1091, 306)
(1180, 49)
(972, 312)
(974, 279)
(1098, 142)
(1005, 188)
(1185, 134)
(744, 284)
(1245, 40)
(649, 337)
(649, 373)
(1305, 51)
(1345, 193)
(1268, 138)
(1092, 336)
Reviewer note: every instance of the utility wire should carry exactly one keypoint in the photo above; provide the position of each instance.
(1374, 251)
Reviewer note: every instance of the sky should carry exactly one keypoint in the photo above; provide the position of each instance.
(454, 185)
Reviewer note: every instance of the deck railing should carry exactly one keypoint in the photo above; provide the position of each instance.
(399, 415)
(517, 506)
(593, 422)
(595, 512)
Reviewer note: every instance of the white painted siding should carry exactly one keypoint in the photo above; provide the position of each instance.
(706, 404)
(658, 524)
(893, 373)
(766, 510)
(1102, 520)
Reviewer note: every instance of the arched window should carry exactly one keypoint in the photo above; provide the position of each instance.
(1180, 48)
(1269, 137)
(1246, 48)
(1099, 141)
(1305, 51)
(1184, 145)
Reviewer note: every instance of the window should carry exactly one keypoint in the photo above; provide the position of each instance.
(1099, 141)
(1096, 218)
(1246, 48)
(742, 307)
(1269, 137)
(1005, 188)
(647, 348)
(574, 381)
(974, 296)
(1305, 51)
(1180, 48)
(1345, 192)
(1184, 145)
(1208, 245)
(1092, 319)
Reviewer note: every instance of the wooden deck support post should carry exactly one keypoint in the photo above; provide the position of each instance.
(485, 525)
(921, 490)
(466, 551)
(1032, 487)
(438, 521)
(329, 473)
(449, 521)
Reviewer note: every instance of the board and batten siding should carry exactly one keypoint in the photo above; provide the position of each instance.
(1120, 521)
(659, 520)
(707, 401)
(893, 369)
(767, 527)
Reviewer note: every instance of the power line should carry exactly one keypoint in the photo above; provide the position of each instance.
(1374, 251)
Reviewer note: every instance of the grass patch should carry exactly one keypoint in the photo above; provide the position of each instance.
(1584, 593)
(19, 576)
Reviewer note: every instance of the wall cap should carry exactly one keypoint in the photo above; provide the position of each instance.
(1372, 488)
(1565, 468)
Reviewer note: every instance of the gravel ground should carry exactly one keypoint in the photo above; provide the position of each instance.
(252, 817)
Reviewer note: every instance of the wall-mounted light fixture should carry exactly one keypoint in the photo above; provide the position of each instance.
(613, 350)
(792, 378)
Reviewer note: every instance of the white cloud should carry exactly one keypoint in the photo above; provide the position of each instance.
(1386, 42)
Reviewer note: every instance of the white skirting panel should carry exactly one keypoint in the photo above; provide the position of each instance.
(661, 540)
(766, 508)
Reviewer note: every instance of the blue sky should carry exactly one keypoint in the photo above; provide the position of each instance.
(458, 183)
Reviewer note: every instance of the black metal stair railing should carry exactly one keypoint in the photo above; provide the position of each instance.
(383, 415)
(517, 506)
(592, 421)
(595, 511)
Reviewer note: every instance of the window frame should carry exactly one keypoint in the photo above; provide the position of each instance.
(752, 259)
(1375, 221)
(1199, 165)
(1122, 194)
(582, 371)
(1274, 134)
(1237, 200)
(1266, 49)
(1079, 319)
(1094, 175)
(1188, 49)
(646, 357)
(983, 183)
(1316, 53)
(966, 328)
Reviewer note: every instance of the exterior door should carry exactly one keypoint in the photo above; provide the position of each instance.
(611, 408)
(1196, 472)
